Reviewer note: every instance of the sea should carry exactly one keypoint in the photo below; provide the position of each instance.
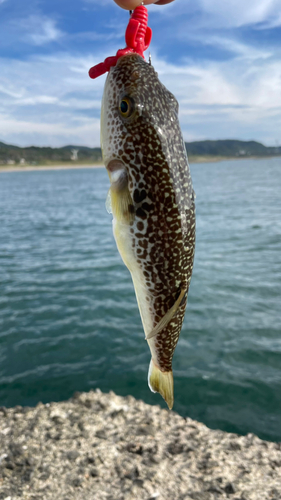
(69, 320)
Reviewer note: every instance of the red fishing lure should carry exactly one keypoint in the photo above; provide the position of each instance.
(137, 37)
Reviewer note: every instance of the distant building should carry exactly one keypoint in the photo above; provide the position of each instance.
(74, 154)
(11, 162)
(22, 161)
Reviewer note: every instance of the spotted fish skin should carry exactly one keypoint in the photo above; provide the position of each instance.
(152, 204)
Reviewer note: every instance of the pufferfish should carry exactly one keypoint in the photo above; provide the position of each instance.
(151, 199)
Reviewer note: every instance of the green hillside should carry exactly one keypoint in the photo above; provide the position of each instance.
(230, 148)
(33, 155)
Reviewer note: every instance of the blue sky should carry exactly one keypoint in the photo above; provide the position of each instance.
(220, 58)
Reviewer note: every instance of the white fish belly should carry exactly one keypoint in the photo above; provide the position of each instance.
(124, 244)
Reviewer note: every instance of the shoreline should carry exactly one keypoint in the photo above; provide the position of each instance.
(69, 166)
(107, 447)
(31, 168)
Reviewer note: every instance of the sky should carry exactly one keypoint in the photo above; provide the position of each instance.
(220, 58)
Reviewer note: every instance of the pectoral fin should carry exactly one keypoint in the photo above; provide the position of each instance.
(167, 317)
(119, 200)
(122, 205)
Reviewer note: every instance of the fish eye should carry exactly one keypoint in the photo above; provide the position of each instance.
(126, 107)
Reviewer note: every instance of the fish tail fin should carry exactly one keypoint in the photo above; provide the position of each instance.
(161, 382)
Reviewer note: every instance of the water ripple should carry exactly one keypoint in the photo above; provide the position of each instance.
(68, 314)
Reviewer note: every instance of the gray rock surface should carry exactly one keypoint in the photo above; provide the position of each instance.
(105, 447)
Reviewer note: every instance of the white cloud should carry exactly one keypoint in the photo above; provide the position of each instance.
(7, 88)
(58, 133)
(57, 103)
(48, 126)
(40, 30)
(36, 30)
(37, 99)
(238, 48)
(54, 103)
(50, 100)
(272, 22)
(238, 12)
(238, 98)
(223, 14)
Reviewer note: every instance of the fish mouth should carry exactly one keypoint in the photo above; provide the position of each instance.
(117, 174)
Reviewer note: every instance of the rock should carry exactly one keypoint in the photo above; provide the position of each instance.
(94, 472)
(101, 446)
(72, 455)
(215, 489)
(135, 448)
(229, 488)
(175, 448)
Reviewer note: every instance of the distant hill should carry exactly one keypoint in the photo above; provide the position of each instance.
(230, 148)
(81, 154)
(35, 155)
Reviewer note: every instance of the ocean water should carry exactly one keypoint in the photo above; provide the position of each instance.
(68, 315)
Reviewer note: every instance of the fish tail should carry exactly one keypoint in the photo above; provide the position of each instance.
(161, 382)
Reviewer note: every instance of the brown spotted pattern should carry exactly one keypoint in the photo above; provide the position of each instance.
(149, 143)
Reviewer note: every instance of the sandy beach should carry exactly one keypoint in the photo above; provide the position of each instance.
(68, 166)
(28, 168)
